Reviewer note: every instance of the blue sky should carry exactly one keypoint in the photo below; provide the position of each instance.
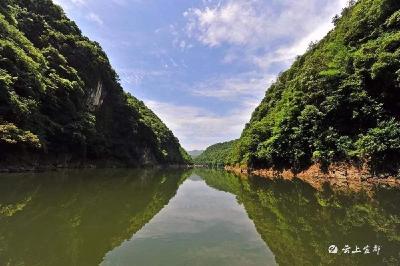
(202, 66)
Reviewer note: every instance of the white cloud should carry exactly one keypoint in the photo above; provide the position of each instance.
(136, 76)
(233, 88)
(244, 22)
(95, 18)
(197, 128)
(259, 33)
(286, 53)
(236, 22)
(276, 28)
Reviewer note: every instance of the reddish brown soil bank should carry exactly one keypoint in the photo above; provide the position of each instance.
(338, 175)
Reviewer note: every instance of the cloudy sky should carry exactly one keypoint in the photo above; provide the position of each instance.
(202, 65)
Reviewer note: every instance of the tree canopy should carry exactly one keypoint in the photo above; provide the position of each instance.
(340, 101)
(215, 155)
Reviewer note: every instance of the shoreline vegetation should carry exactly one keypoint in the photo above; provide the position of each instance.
(334, 115)
(37, 168)
(342, 175)
(338, 175)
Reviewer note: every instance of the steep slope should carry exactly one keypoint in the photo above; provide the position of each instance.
(60, 100)
(339, 102)
(215, 155)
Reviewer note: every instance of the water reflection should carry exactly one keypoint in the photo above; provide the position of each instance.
(298, 223)
(205, 217)
(200, 226)
(75, 217)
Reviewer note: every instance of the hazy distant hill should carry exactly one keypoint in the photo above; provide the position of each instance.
(195, 153)
(216, 155)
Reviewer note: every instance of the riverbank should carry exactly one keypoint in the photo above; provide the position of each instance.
(45, 167)
(338, 175)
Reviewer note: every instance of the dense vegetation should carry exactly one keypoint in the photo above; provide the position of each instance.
(339, 102)
(298, 223)
(215, 155)
(60, 100)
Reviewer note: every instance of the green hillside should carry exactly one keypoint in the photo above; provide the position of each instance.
(339, 102)
(195, 153)
(215, 155)
(60, 100)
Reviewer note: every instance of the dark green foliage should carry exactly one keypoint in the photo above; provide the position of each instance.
(338, 102)
(59, 86)
(216, 155)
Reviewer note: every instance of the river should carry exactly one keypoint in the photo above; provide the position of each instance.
(191, 217)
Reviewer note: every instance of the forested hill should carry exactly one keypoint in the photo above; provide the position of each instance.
(195, 153)
(338, 102)
(60, 100)
(215, 155)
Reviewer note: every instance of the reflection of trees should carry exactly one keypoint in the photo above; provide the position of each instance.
(298, 223)
(75, 217)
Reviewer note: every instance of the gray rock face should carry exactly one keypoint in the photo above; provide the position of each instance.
(96, 97)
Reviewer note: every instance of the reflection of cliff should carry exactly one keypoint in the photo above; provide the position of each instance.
(74, 218)
(298, 223)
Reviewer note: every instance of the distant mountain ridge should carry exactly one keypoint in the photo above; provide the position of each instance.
(61, 102)
(195, 153)
(216, 155)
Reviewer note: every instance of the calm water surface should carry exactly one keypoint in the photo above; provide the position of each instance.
(200, 217)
